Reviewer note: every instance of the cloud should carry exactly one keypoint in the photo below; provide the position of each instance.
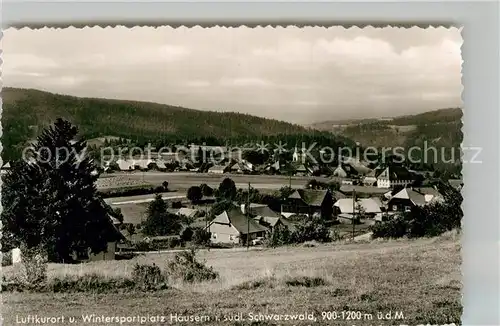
(294, 74)
(245, 82)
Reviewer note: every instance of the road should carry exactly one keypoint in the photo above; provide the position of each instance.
(184, 180)
(143, 198)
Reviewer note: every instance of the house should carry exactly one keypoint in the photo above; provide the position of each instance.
(301, 170)
(125, 165)
(339, 172)
(5, 168)
(369, 207)
(456, 183)
(272, 222)
(274, 168)
(261, 210)
(240, 167)
(233, 227)
(160, 165)
(347, 182)
(298, 155)
(366, 190)
(309, 202)
(218, 169)
(408, 198)
(188, 212)
(183, 164)
(144, 164)
(370, 179)
(113, 236)
(394, 175)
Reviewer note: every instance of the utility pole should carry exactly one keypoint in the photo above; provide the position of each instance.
(353, 212)
(248, 217)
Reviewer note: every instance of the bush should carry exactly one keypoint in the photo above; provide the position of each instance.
(131, 191)
(143, 246)
(206, 190)
(33, 266)
(395, 228)
(311, 230)
(280, 236)
(188, 269)
(428, 221)
(187, 234)
(89, 283)
(176, 204)
(174, 242)
(149, 277)
(201, 237)
(305, 281)
(194, 194)
(7, 258)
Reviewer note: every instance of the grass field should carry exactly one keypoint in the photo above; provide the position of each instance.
(420, 278)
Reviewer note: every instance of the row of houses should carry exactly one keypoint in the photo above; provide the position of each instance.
(235, 226)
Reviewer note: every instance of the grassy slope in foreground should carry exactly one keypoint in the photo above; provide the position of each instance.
(420, 278)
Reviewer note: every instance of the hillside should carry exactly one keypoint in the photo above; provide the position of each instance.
(420, 278)
(25, 111)
(440, 127)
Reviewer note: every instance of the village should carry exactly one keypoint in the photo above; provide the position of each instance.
(161, 175)
(350, 198)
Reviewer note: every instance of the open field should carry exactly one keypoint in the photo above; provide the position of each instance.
(184, 180)
(420, 278)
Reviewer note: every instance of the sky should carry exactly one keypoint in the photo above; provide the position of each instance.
(300, 75)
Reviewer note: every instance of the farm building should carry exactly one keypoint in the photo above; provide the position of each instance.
(113, 237)
(394, 175)
(188, 212)
(125, 165)
(218, 169)
(370, 207)
(273, 222)
(232, 227)
(240, 167)
(261, 210)
(274, 168)
(407, 198)
(112, 234)
(5, 168)
(309, 202)
(456, 183)
(301, 170)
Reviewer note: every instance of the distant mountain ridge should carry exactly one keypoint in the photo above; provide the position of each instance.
(441, 127)
(27, 111)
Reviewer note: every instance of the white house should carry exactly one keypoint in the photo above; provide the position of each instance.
(232, 226)
(394, 176)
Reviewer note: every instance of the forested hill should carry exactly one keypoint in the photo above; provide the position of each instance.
(27, 111)
(441, 127)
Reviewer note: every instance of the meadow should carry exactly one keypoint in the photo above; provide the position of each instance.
(418, 278)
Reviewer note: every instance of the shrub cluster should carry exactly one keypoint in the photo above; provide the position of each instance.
(149, 277)
(169, 243)
(201, 237)
(132, 191)
(89, 283)
(428, 221)
(144, 278)
(308, 230)
(7, 258)
(186, 268)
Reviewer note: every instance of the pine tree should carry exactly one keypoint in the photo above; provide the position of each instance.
(159, 221)
(50, 201)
